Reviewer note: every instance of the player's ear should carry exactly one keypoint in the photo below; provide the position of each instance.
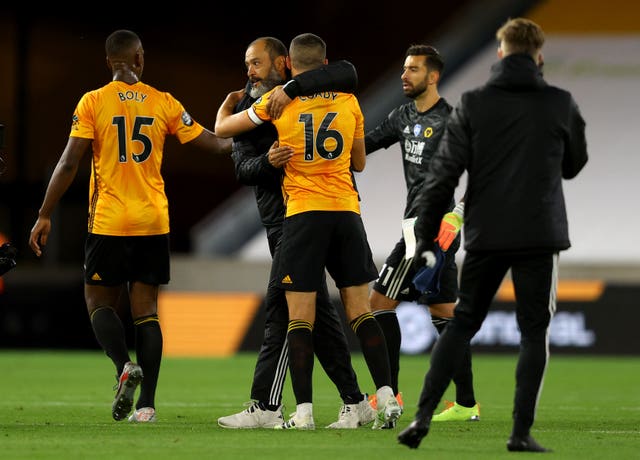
(280, 63)
(433, 77)
(288, 62)
(139, 58)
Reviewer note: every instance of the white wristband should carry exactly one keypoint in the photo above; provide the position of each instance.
(459, 209)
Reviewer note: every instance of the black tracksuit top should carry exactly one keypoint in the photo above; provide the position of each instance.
(517, 137)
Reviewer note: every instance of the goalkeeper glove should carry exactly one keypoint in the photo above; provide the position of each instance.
(425, 255)
(427, 262)
(450, 226)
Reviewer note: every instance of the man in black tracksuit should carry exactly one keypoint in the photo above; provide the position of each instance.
(265, 64)
(517, 138)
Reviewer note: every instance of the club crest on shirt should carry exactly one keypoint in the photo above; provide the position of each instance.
(428, 132)
(417, 129)
(186, 118)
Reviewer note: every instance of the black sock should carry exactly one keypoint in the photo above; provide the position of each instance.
(388, 321)
(149, 356)
(110, 334)
(299, 336)
(374, 348)
(462, 377)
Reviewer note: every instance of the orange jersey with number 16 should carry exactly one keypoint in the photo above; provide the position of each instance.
(321, 129)
(128, 125)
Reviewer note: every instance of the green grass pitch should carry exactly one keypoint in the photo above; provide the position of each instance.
(57, 405)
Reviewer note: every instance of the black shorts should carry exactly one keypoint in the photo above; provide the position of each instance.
(396, 277)
(315, 240)
(114, 260)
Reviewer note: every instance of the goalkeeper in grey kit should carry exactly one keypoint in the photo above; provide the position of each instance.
(418, 127)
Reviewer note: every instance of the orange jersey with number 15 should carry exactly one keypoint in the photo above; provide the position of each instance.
(128, 125)
(321, 129)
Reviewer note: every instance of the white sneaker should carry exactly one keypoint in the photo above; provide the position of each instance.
(347, 418)
(389, 410)
(301, 419)
(366, 414)
(143, 415)
(253, 417)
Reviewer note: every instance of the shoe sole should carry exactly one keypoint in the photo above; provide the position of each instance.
(473, 418)
(292, 426)
(299, 428)
(151, 420)
(333, 426)
(255, 427)
(123, 402)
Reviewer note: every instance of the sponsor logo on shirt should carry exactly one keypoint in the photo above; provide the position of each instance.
(186, 119)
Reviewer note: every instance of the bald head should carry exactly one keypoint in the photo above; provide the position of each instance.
(273, 46)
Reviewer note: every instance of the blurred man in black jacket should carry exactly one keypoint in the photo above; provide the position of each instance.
(7, 252)
(517, 137)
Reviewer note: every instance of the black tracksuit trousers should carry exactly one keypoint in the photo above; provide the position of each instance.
(329, 340)
(534, 277)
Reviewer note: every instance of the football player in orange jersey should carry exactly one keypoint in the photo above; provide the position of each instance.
(261, 167)
(322, 226)
(124, 124)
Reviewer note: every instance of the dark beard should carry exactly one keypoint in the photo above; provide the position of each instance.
(266, 84)
(416, 91)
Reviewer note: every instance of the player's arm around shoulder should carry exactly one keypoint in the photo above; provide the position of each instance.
(229, 124)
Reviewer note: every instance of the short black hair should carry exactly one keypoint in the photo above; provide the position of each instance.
(120, 42)
(308, 51)
(434, 59)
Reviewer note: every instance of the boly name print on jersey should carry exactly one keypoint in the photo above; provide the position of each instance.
(132, 96)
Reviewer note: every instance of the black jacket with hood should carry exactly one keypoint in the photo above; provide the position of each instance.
(517, 137)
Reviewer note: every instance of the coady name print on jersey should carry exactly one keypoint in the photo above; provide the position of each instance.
(326, 95)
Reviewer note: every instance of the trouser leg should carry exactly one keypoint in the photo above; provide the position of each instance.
(535, 280)
(273, 358)
(480, 278)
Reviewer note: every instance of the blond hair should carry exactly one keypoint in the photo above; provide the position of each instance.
(521, 35)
